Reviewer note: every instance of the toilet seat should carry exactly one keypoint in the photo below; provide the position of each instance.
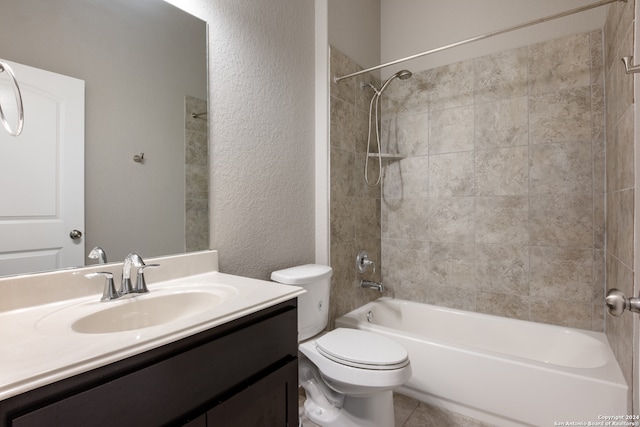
(361, 349)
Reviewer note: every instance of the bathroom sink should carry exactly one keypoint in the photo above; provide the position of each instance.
(159, 307)
(143, 313)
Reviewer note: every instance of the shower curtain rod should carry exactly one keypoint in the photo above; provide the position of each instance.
(336, 79)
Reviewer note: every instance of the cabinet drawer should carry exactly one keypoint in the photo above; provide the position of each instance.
(265, 403)
(162, 393)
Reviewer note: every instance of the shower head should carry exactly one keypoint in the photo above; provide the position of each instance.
(402, 75)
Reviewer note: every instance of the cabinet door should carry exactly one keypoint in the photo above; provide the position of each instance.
(269, 402)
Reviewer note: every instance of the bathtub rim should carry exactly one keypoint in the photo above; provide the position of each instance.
(608, 373)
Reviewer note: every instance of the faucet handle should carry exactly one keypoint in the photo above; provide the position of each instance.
(141, 284)
(109, 292)
(363, 262)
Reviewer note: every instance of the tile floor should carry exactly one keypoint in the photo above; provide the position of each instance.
(412, 413)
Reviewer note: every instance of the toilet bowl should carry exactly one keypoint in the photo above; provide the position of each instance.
(348, 374)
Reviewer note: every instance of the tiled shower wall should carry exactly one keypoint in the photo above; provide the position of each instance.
(196, 175)
(355, 207)
(620, 178)
(498, 206)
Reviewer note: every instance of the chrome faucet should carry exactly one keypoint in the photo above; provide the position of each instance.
(372, 285)
(130, 260)
(99, 254)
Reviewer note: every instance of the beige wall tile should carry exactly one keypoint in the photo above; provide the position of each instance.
(450, 86)
(562, 273)
(367, 219)
(343, 224)
(406, 260)
(597, 57)
(453, 297)
(502, 123)
(561, 116)
(561, 168)
(502, 269)
(342, 125)
(624, 213)
(406, 134)
(450, 219)
(599, 221)
(406, 219)
(624, 168)
(342, 173)
(451, 130)
(562, 220)
(599, 272)
(502, 171)
(598, 141)
(561, 312)
(407, 178)
(451, 175)
(502, 219)
(451, 264)
(501, 75)
(560, 63)
(505, 305)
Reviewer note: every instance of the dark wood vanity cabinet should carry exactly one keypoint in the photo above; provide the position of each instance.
(241, 374)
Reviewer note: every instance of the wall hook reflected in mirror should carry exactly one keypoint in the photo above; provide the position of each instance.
(196, 115)
(139, 158)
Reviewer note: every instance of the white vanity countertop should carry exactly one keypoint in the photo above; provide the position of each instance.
(38, 346)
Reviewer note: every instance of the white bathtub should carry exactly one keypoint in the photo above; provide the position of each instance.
(500, 371)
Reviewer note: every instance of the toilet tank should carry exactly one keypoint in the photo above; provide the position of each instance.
(313, 306)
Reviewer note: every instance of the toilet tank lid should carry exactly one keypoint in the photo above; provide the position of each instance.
(301, 274)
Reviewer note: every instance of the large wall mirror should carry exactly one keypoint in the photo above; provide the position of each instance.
(144, 64)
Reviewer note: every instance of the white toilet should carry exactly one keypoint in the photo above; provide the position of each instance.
(348, 374)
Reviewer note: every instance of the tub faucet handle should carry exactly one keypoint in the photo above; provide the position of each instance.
(363, 262)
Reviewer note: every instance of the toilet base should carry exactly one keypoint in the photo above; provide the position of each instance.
(371, 411)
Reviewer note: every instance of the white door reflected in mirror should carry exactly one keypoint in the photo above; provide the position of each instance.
(45, 166)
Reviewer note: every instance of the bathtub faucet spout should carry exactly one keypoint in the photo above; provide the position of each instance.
(371, 285)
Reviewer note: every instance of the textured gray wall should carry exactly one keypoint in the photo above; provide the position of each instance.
(261, 71)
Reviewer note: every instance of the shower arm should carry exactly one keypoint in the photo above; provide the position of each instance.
(336, 79)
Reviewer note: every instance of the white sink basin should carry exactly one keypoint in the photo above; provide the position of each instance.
(159, 307)
(143, 313)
